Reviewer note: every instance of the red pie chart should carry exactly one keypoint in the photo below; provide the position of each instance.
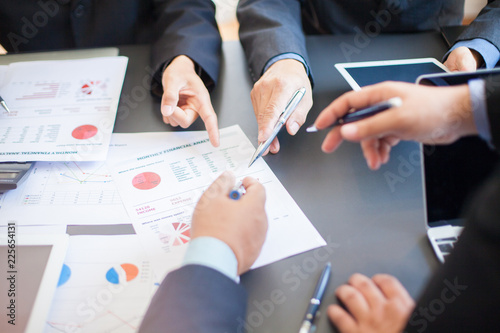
(146, 181)
(84, 132)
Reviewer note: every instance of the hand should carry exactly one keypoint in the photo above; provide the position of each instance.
(241, 224)
(463, 59)
(185, 97)
(433, 115)
(271, 94)
(377, 305)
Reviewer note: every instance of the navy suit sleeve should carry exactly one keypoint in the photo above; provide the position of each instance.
(187, 28)
(492, 86)
(269, 28)
(485, 26)
(198, 299)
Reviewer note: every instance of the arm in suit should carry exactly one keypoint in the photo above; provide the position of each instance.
(188, 29)
(464, 292)
(184, 33)
(202, 296)
(479, 44)
(186, 58)
(492, 91)
(485, 26)
(269, 28)
(196, 298)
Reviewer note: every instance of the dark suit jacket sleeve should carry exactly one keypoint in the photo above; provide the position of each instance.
(463, 295)
(197, 299)
(485, 26)
(269, 28)
(187, 28)
(493, 105)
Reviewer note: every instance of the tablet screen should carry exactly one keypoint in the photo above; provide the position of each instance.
(365, 76)
(366, 73)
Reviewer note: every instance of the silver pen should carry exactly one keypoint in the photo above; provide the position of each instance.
(2, 103)
(290, 107)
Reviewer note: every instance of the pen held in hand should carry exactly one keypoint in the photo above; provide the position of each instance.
(237, 191)
(363, 113)
(290, 108)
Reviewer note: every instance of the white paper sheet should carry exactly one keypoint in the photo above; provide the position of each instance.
(105, 286)
(60, 110)
(62, 193)
(161, 187)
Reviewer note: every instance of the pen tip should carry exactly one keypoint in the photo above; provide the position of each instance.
(311, 128)
(396, 102)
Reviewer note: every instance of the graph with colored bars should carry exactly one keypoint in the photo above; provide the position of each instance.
(41, 90)
(71, 183)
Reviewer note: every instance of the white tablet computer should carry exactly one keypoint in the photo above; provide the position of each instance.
(360, 74)
(31, 266)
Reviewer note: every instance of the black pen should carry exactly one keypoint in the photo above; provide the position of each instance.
(363, 113)
(2, 102)
(315, 301)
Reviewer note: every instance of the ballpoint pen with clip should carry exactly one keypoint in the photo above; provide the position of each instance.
(290, 107)
(315, 300)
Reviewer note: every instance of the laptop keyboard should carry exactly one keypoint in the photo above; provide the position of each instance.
(446, 245)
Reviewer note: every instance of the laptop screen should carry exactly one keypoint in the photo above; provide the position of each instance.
(452, 173)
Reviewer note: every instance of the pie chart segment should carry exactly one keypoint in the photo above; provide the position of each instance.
(84, 132)
(129, 271)
(146, 181)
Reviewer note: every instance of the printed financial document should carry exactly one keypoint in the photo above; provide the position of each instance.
(161, 187)
(60, 110)
(74, 193)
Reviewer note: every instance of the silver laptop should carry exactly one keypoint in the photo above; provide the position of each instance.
(451, 175)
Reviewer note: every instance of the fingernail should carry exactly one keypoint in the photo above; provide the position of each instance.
(294, 128)
(349, 130)
(166, 110)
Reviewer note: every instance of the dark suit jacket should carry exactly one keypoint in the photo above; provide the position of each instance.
(462, 296)
(174, 26)
(196, 299)
(272, 27)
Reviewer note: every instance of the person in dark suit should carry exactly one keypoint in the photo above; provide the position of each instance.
(226, 239)
(185, 53)
(463, 293)
(272, 35)
(203, 295)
